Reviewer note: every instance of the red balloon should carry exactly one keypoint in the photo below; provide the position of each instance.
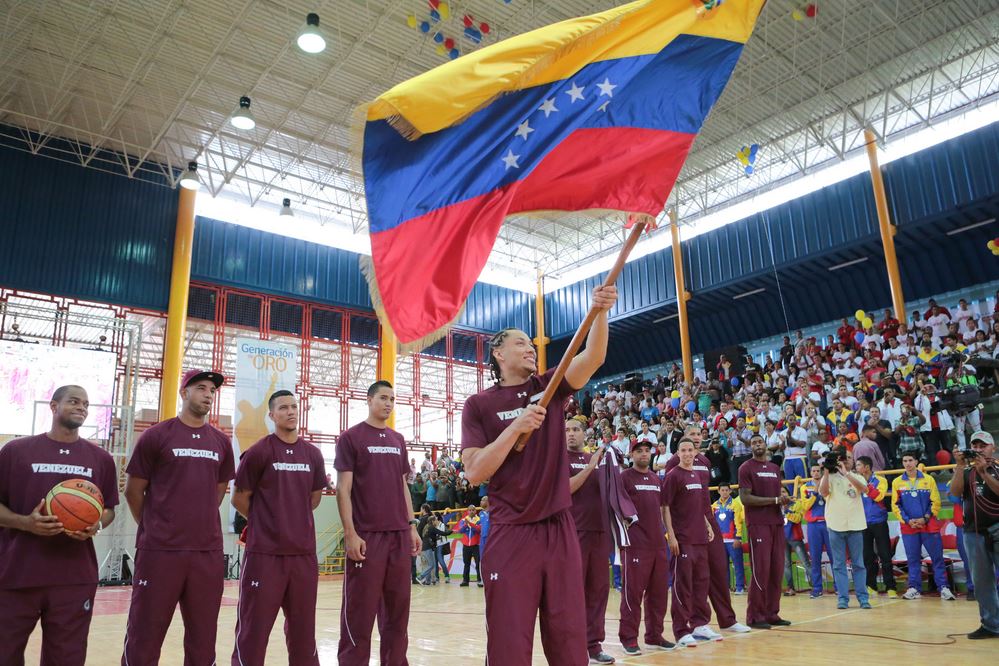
(811, 10)
(943, 457)
(449, 43)
(484, 27)
(467, 20)
(434, 4)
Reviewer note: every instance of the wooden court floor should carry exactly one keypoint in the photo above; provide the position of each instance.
(447, 628)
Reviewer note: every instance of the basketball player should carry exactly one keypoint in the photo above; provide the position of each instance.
(379, 534)
(686, 505)
(176, 480)
(529, 498)
(719, 593)
(45, 571)
(590, 516)
(279, 484)
(759, 490)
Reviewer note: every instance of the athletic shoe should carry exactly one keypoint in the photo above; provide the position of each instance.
(789, 593)
(912, 593)
(687, 640)
(842, 605)
(946, 594)
(447, 580)
(761, 625)
(740, 592)
(872, 592)
(662, 644)
(866, 605)
(892, 594)
(632, 650)
(815, 595)
(982, 632)
(601, 658)
(781, 623)
(464, 584)
(737, 628)
(706, 633)
(971, 595)
(481, 584)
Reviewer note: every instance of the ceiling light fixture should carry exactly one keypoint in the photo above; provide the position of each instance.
(286, 210)
(666, 318)
(189, 180)
(749, 293)
(310, 39)
(243, 118)
(852, 262)
(969, 227)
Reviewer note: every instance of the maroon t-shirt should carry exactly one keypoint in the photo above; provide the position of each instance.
(184, 467)
(701, 465)
(378, 460)
(282, 478)
(29, 469)
(763, 480)
(644, 489)
(588, 510)
(530, 485)
(686, 495)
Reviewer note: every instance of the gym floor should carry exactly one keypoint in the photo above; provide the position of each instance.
(446, 627)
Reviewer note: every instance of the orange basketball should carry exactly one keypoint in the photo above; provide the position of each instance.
(77, 503)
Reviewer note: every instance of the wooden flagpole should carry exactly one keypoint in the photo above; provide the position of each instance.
(584, 327)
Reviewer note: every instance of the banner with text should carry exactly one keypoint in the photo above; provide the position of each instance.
(262, 367)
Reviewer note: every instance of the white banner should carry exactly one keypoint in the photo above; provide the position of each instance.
(262, 367)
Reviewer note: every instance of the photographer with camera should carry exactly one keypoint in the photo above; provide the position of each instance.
(843, 490)
(976, 482)
(960, 377)
(937, 424)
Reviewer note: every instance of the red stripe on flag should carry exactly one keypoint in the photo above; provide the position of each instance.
(617, 168)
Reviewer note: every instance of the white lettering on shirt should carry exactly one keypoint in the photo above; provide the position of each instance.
(384, 449)
(647, 487)
(577, 465)
(694, 486)
(49, 468)
(196, 453)
(768, 475)
(700, 468)
(510, 415)
(292, 467)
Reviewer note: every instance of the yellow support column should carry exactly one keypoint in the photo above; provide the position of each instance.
(180, 283)
(541, 342)
(386, 362)
(888, 230)
(682, 296)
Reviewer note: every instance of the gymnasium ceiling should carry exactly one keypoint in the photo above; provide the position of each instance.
(155, 82)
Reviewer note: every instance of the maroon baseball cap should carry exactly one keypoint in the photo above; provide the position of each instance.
(640, 442)
(192, 376)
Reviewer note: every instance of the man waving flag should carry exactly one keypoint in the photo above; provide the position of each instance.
(593, 113)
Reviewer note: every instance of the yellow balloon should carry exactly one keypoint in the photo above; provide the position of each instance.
(441, 50)
(991, 245)
(444, 11)
(867, 322)
(674, 394)
(797, 15)
(411, 21)
(860, 315)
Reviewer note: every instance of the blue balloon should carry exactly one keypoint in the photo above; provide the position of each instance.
(859, 337)
(454, 53)
(674, 403)
(439, 38)
(752, 152)
(435, 15)
(691, 407)
(735, 381)
(424, 27)
(789, 390)
(749, 169)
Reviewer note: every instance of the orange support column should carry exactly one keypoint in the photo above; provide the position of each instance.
(682, 296)
(888, 230)
(541, 342)
(180, 284)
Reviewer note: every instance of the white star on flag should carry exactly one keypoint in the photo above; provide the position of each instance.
(575, 92)
(548, 107)
(523, 129)
(607, 88)
(510, 160)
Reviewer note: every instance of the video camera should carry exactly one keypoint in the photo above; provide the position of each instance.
(832, 460)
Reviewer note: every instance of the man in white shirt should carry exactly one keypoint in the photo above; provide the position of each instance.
(622, 443)
(647, 435)
(964, 315)
(891, 407)
(796, 450)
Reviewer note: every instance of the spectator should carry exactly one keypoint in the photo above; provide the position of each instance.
(418, 492)
(647, 435)
(959, 376)
(796, 450)
(427, 465)
(877, 540)
(470, 529)
(813, 506)
(431, 531)
(937, 424)
(483, 523)
(907, 433)
(731, 522)
(718, 457)
(868, 447)
(890, 406)
(794, 539)
(846, 523)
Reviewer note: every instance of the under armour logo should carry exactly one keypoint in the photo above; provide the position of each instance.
(255, 583)
(86, 605)
(522, 395)
(64, 452)
(634, 560)
(195, 436)
(494, 576)
(759, 541)
(382, 435)
(358, 565)
(142, 582)
(290, 452)
(684, 556)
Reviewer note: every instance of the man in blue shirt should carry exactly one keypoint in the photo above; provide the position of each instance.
(483, 523)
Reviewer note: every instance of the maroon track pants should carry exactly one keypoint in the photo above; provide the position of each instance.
(690, 589)
(266, 584)
(163, 579)
(644, 576)
(379, 587)
(527, 569)
(766, 556)
(718, 592)
(593, 549)
(65, 611)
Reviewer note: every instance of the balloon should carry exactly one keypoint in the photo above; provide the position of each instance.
(749, 170)
(943, 457)
(859, 337)
(674, 394)
(445, 10)
(789, 391)
(449, 43)
(867, 322)
(484, 27)
(439, 38)
(797, 15)
(435, 15)
(811, 10)
(411, 21)
(454, 53)
(473, 35)
(467, 20)
(674, 402)
(691, 407)
(860, 315)
(434, 4)
(991, 245)
(424, 27)
(735, 382)
(440, 49)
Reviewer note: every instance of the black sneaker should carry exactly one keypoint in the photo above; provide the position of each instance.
(631, 649)
(761, 625)
(601, 658)
(981, 633)
(780, 623)
(465, 584)
(661, 644)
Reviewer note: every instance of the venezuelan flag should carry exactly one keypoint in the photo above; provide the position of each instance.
(593, 113)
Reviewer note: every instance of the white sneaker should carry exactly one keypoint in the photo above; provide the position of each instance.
(912, 593)
(946, 594)
(737, 628)
(687, 641)
(706, 633)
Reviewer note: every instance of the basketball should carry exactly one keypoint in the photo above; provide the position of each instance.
(77, 503)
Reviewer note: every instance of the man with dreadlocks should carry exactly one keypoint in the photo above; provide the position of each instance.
(529, 498)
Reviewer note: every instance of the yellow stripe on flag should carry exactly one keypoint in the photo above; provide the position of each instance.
(448, 94)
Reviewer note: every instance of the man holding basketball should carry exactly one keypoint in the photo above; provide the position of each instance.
(279, 484)
(177, 477)
(529, 497)
(46, 571)
(379, 534)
